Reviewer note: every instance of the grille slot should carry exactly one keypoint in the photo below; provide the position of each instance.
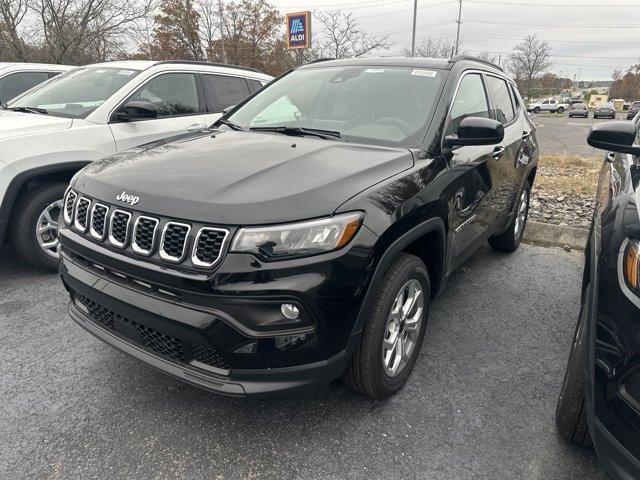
(208, 246)
(144, 234)
(82, 214)
(174, 238)
(119, 231)
(159, 342)
(68, 206)
(98, 226)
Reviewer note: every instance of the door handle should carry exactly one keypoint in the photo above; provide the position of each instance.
(498, 152)
(196, 127)
(526, 135)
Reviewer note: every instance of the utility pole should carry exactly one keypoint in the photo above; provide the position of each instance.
(224, 53)
(413, 36)
(459, 21)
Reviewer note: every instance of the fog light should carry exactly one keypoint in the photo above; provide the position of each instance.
(290, 311)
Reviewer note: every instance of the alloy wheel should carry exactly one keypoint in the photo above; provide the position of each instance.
(521, 218)
(47, 229)
(402, 328)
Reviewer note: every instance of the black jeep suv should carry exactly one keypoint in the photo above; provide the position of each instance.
(303, 237)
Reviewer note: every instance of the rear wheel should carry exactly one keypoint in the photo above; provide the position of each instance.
(34, 225)
(571, 412)
(510, 239)
(536, 109)
(393, 333)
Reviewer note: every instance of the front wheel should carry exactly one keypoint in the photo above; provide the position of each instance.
(571, 411)
(510, 239)
(536, 110)
(393, 333)
(560, 110)
(34, 225)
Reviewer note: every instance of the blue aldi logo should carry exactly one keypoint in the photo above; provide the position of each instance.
(299, 30)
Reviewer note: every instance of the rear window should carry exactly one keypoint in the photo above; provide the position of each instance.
(579, 105)
(223, 91)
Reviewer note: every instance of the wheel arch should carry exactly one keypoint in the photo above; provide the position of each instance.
(26, 180)
(418, 241)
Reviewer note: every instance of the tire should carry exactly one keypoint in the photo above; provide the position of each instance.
(367, 372)
(536, 109)
(571, 411)
(24, 221)
(560, 110)
(510, 239)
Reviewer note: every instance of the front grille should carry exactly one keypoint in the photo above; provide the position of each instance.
(99, 220)
(144, 234)
(157, 341)
(82, 214)
(208, 356)
(68, 206)
(174, 237)
(119, 231)
(208, 247)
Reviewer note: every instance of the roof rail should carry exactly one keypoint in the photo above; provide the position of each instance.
(211, 64)
(318, 60)
(459, 58)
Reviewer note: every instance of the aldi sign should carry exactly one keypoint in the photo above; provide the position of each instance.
(299, 30)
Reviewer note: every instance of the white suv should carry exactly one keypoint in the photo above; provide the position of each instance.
(547, 105)
(17, 78)
(48, 133)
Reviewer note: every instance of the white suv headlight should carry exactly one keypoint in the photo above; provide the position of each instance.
(299, 239)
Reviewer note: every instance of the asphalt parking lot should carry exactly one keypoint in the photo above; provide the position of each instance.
(480, 403)
(560, 134)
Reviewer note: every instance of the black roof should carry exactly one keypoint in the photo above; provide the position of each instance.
(417, 62)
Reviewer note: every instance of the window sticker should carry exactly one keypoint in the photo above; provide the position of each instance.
(375, 70)
(424, 73)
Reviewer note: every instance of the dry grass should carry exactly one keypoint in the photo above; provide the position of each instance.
(566, 174)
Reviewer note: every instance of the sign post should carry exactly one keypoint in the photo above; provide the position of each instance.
(298, 30)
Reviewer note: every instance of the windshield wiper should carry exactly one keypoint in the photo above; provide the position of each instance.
(28, 110)
(299, 131)
(231, 125)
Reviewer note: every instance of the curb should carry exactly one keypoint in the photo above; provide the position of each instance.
(548, 234)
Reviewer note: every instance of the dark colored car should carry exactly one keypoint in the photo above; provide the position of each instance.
(304, 236)
(579, 110)
(606, 110)
(634, 108)
(600, 398)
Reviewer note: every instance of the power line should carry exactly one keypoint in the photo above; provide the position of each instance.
(529, 4)
(370, 4)
(405, 11)
(564, 25)
(562, 40)
(562, 56)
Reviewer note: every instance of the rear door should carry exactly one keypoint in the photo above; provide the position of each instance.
(223, 91)
(181, 108)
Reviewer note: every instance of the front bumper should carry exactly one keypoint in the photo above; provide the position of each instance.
(219, 331)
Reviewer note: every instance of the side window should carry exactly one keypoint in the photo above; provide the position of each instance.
(16, 83)
(53, 74)
(256, 85)
(546, 102)
(500, 99)
(470, 101)
(222, 91)
(553, 102)
(173, 94)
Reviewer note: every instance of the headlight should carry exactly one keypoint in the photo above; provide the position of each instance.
(299, 239)
(631, 265)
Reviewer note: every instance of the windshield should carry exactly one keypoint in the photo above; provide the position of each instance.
(76, 94)
(380, 105)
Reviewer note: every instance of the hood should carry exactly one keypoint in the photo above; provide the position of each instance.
(16, 124)
(243, 178)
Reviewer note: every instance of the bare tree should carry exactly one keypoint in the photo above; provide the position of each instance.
(342, 38)
(529, 60)
(12, 14)
(211, 27)
(82, 31)
(433, 48)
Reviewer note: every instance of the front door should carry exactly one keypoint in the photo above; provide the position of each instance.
(180, 104)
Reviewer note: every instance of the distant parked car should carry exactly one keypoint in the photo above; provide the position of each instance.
(633, 110)
(606, 110)
(53, 130)
(579, 110)
(547, 105)
(17, 78)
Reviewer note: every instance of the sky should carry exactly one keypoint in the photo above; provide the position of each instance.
(589, 38)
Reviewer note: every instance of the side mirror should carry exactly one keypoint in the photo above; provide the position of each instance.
(137, 110)
(617, 136)
(476, 131)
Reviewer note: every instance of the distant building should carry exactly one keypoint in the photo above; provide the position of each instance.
(597, 100)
